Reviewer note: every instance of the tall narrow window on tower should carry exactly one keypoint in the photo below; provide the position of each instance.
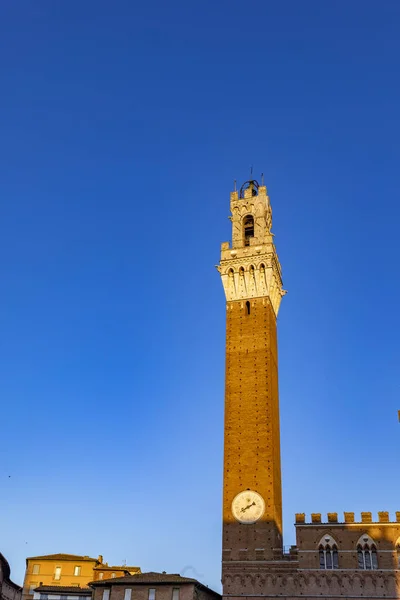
(248, 229)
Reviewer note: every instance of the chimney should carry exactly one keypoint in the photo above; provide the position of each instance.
(100, 559)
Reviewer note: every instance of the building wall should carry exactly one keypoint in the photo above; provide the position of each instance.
(311, 584)
(346, 536)
(252, 449)
(8, 589)
(141, 592)
(103, 572)
(46, 574)
(202, 594)
(303, 578)
(61, 596)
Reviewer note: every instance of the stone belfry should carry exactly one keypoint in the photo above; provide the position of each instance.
(251, 276)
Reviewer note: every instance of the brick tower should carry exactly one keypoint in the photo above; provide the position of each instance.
(332, 558)
(251, 276)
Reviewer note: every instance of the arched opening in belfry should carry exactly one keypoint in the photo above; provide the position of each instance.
(248, 229)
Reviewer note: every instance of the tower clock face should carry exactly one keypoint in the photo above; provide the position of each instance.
(248, 507)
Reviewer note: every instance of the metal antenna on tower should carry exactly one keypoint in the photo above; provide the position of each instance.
(234, 185)
(262, 178)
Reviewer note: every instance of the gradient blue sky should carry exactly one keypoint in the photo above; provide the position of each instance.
(123, 125)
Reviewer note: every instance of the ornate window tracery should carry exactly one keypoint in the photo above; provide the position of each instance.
(328, 557)
(367, 555)
(328, 553)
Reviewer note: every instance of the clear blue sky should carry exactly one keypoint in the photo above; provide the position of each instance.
(123, 125)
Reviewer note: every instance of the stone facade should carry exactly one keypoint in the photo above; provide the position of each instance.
(8, 589)
(348, 558)
(312, 537)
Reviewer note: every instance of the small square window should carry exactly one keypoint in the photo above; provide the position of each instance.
(152, 594)
(128, 594)
(36, 569)
(32, 586)
(175, 594)
(112, 575)
(101, 575)
(77, 571)
(57, 573)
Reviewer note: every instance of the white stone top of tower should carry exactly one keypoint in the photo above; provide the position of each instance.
(250, 267)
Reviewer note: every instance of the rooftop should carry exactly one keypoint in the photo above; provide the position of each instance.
(152, 578)
(62, 557)
(106, 567)
(70, 589)
(146, 578)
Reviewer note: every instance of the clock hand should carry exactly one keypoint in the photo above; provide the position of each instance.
(248, 506)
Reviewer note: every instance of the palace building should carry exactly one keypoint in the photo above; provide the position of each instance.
(345, 557)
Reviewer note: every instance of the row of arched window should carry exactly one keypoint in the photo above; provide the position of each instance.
(367, 556)
(231, 272)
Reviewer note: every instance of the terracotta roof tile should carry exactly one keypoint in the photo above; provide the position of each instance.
(62, 557)
(115, 568)
(146, 578)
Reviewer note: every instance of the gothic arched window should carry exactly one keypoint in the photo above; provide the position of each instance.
(398, 555)
(328, 557)
(367, 555)
(248, 229)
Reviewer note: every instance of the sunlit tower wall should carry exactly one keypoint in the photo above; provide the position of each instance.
(251, 277)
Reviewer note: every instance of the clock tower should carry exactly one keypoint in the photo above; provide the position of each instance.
(333, 557)
(252, 497)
